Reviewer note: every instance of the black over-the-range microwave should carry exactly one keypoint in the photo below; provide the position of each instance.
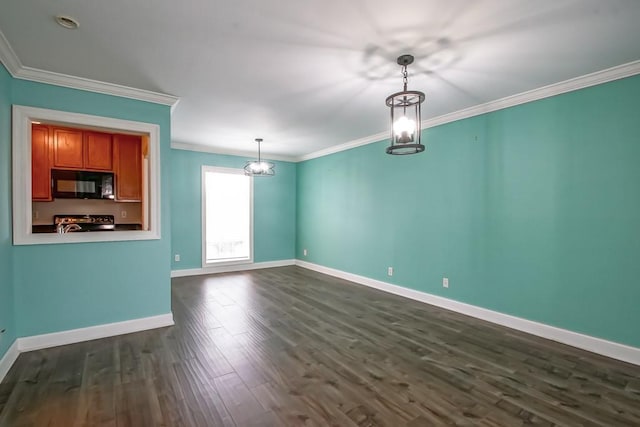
(70, 184)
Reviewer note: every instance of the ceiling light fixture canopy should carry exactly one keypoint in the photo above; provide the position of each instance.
(259, 167)
(405, 115)
(67, 22)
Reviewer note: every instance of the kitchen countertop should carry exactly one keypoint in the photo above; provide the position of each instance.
(52, 228)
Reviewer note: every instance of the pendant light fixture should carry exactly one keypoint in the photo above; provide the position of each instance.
(405, 115)
(259, 167)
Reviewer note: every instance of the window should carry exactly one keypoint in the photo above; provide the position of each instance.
(31, 208)
(227, 216)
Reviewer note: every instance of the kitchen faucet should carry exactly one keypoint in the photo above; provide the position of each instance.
(61, 228)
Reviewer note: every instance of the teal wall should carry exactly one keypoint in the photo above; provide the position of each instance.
(61, 287)
(531, 211)
(274, 215)
(7, 316)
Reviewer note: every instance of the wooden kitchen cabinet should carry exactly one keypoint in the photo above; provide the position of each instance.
(97, 151)
(127, 165)
(78, 149)
(40, 163)
(68, 148)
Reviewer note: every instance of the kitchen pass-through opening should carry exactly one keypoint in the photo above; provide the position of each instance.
(84, 175)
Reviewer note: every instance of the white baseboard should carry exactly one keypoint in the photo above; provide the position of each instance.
(72, 336)
(595, 345)
(8, 359)
(231, 268)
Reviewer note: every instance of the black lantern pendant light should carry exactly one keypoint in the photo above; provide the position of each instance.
(259, 167)
(405, 116)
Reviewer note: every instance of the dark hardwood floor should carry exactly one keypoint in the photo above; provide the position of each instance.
(291, 347)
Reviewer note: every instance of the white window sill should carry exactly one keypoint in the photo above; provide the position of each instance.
(226, 263)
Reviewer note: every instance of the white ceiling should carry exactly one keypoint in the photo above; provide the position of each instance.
(306, 75)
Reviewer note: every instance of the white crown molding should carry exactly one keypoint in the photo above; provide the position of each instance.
(585, 342)
(37, 342)
(9, 359)
(231, 268)
(8, 56)
(582, 82)
(593, 79)
(225, 152)
(343, 147)
(57, 79)
(15, 67)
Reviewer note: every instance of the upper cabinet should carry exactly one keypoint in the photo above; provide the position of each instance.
(77, 149)
(40, 163)
(127, 165)
(67, 148)
(97, 151)
(55, 147)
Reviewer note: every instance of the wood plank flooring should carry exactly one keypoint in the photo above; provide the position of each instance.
(291, 347)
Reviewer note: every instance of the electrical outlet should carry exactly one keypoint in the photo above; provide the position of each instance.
(304, 252)
(123, 214)
(390, 271)
(445, 282)
(176, 257)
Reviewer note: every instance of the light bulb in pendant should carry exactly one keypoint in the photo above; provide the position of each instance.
(403, 129)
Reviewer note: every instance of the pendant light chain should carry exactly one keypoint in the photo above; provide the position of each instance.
(405, 78)
(405, 81)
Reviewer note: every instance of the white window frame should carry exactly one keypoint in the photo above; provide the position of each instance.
(21, 144)
(205, 264)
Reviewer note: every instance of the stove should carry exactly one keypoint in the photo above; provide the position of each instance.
(86, 222)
